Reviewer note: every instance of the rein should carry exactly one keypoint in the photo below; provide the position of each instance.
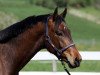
(59, 51)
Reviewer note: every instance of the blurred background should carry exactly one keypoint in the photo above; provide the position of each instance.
(83, 19)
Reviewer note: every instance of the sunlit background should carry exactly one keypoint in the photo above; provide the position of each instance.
(83, 19)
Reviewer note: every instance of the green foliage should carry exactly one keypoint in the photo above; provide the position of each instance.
(53, 3)
(80, 3)
(96, 4)
(45, 3)
(50, 3)
(61, 3)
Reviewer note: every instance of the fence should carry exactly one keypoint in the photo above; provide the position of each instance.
(58, 73)
(90, 55)
(86, 55)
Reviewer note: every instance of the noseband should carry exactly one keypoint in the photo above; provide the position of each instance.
(59, 51)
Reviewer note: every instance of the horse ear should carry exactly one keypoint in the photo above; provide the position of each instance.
(55, 13)
(63, 14)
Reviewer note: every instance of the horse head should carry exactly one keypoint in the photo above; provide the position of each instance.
(59, 40)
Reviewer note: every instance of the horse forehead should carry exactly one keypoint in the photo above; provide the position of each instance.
(59, 18)
(51, 23)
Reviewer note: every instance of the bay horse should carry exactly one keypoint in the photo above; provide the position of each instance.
(22, 40)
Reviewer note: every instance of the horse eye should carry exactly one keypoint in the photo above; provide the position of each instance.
(59, 33)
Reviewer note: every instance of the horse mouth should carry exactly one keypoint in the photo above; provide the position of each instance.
(76, 64)
(73, 66)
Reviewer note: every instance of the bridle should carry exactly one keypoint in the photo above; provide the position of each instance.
(59, 51)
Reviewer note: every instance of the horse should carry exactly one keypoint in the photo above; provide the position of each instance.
(22, 40)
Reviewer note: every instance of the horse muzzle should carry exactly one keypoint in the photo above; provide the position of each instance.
(75, 64)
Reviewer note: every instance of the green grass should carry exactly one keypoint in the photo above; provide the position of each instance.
(88, 45)
(24, 11)
(91, 10)
(86, 66)
(86, 34)
(83, 29)
(21, 8)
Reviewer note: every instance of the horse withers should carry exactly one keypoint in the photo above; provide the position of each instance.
(22, 40)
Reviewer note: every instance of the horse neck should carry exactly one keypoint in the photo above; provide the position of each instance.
(31, 38)
(34, 38)
(24, 47)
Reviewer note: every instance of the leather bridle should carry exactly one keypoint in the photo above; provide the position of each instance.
(59, 51)
(47, 37)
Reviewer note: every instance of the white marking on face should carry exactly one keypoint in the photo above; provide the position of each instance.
(70, 58)
(64, 28)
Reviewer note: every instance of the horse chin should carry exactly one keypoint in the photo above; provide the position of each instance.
(70, 65)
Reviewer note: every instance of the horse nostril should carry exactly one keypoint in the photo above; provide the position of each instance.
(77, 62)
(76, 59)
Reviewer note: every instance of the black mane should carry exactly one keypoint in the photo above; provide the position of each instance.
(18, 28)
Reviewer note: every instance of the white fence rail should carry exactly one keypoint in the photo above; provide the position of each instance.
(58, 73)
(86, 55)
(90, 55)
